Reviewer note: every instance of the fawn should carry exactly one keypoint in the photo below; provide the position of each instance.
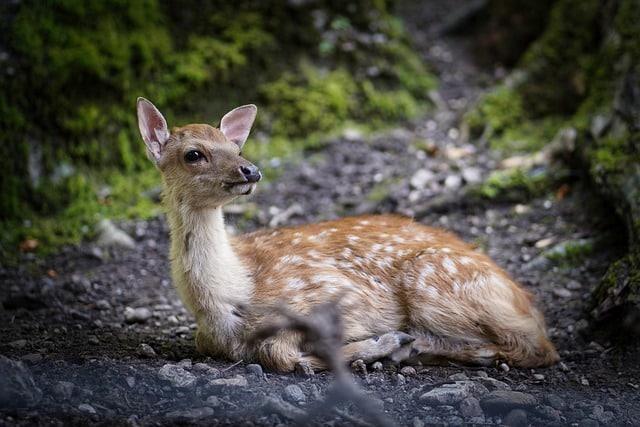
(405, 291)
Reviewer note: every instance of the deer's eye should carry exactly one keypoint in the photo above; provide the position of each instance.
(193, 156)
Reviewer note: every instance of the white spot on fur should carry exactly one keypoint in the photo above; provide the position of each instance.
(353, 239)
(449, 265)
(295, 283)
(465, 260)
(364, 222)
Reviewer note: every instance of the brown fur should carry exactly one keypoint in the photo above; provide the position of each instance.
(389, 275)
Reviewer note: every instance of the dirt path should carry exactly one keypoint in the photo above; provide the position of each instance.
(97, 335)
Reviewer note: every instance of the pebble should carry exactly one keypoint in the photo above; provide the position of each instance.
(64, 389)
(359, 367)
(207, 370)
(294, 394)
(421, 179)
(515, 418)
(408, 371)
(137, 315)
(377, 366)
(472, 175)
(191, 414)
(213, 401)
(177, 375)
(304, 369)
(453, 182)
(470, 407)
(110, 235)
(254, 369)
(147, 351)
(237, 381)
(85, 407)
(502, 401)
(562, 293)
(447, 394)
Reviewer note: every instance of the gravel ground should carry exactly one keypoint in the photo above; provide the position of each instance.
(96, 334)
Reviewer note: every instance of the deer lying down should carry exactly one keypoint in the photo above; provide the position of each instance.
(405, 291)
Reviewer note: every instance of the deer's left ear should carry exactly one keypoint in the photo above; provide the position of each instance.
(236, 124)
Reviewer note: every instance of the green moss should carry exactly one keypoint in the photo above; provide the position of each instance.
(500, 117)
(572, 252)
(513, 184)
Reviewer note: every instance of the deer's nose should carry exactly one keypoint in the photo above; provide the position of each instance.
(250, 172)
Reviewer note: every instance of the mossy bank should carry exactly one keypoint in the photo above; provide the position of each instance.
(70, 72)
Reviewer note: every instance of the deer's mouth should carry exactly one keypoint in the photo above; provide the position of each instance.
(239, 188)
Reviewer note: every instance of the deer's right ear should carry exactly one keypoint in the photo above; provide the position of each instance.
(153, 128)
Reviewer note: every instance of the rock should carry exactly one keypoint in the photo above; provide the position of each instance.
(453, 182)
(110, 235)
(191, 414)
(359, 367)
(377, 366)
(254, 369)
(562, 293)
(177, 375)
(146, 350)
(137, 315)
(207, 370)
(398, 380)
(237, 381)
(294, 394)
(470, 407)
(503, 401)
(472, 175)
(408, 371)
(304, 369)
(213, 401)
(64, 390)
(85, 407)
(447, 394)
(17, 387)
(421, 179)
(515, 418)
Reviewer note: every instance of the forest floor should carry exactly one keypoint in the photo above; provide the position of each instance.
(97, 335)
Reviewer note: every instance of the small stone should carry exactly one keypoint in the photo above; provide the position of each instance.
(472, 175)
(515, 418)
(359, 367)
(421, 179)
(377, 366)
(147, 351)
(237, 381)
(447, 394)
(177, 375)
(191, 414)
(110, 235)
(453, 182)
(504, 367)
(213, 401)
(131, 381)
(408, 371)
(502, 401)
(32, 358)
(562, 293)
(207, 370)
(399, 380)
(18, 344)
(304, 369)
(64, 389)
(459, 377)
(103, 305)
(85, 407)
(294, 394)
(538, 377)
(137, 315)
(254, 369)
(470, 407)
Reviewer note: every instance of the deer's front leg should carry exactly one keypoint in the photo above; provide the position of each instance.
(377, 347)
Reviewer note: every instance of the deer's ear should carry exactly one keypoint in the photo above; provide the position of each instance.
(153, 128)
(236, 124)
